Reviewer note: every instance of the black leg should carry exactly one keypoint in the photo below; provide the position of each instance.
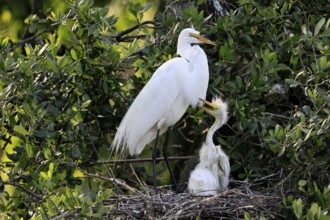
(165, 154)
(154, 156)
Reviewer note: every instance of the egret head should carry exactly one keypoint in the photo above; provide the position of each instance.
(217, 108)
(191, 36)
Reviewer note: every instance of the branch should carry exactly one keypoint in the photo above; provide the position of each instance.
(67, 214)
(129, 30)
(114, 180)
(20, 42)
(144, 160)
(130, 38)
(22, 188)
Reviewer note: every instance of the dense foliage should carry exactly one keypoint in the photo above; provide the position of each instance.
(65, 88)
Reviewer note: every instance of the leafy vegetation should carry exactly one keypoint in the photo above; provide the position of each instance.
(65, 88)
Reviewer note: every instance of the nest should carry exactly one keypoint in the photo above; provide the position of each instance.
(257, 198)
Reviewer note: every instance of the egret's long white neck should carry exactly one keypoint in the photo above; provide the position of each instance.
(184, 49)
(220, 120)
(211, 131)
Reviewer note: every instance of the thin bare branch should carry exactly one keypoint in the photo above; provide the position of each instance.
(67, 214)
(120, 35)
(29, 39)
(138, 160)
(22, 188)
(116, 181)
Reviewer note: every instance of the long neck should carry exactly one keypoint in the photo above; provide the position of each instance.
(212, 130)
(183, 49)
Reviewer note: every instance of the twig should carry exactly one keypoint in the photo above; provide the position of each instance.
(20, 42)
(114, 180)
(109, 170)
(130, 38)
(67, 214)
(144, 159)
(136, 176)
(22, 188)
(129, 30)
(192, 204)
(264, 177)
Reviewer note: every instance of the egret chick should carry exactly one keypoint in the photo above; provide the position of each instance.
(211, 156)
(203, 182)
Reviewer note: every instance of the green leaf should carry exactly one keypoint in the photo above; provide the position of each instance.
(42, 50)
(284, 8)
(44, 175)
(297, 208)
(28, 49)
(323, 63)
(282, 151)
(79, 69)
(145, 8)
(304, 29)
(301, 116)
(20, 129)
(27, 109)
(86, 104)
(74, 54)
(302, 182)
(76, 152)
(199, 2)
(103, 12)
(319, 26)
(77, 119)
(29, 150)
(50, 170)
(308, 134)
(92, 138)
(47, 152)
(293, 83)
(238, 81)
(52, 65)
(313, 211)
(53, 110)
(42, 133)
(243, 2)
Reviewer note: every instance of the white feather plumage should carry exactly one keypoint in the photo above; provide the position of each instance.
(212, 158)
(175, 85)
(202, 182)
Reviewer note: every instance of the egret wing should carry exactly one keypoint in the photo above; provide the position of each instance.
(150, 106)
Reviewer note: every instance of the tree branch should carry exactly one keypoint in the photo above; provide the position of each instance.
(130, 38)
(67, 214)
(20, 42)
(114, 180)
(131, 29)
(22, 188)
(143, 160)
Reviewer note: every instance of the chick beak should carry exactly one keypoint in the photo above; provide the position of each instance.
(202, 39)
(209, 104)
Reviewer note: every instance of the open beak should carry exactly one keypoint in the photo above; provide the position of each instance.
(202, 39)
(211, 106)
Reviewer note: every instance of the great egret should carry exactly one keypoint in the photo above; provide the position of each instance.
(175, 85)
(212, 172)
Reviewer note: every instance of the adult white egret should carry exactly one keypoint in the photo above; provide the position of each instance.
(212, 172)
(175, 85)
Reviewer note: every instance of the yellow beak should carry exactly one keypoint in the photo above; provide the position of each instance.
(202, 39)
(210, 104)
